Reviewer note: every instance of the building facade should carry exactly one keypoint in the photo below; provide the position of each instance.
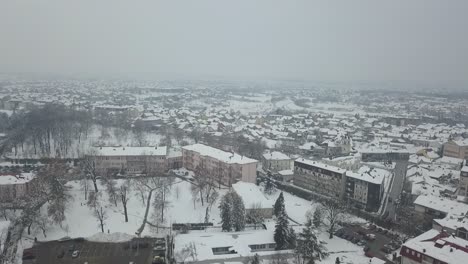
(319, 178)
(463, 183)
(130, 160)
(456, 149)
(13, 187)
(434, 247)
(364, 190)
(224, 167)
(276, 161)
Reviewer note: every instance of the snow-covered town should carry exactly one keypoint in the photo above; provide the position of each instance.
(234, 132)
(230, 177)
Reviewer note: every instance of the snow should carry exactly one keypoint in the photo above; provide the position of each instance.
(252, 195)
(320, 165)
(372, 175)
(275, 155)
(16, 179)
(441, 204)
(426, 243)
(227, 157)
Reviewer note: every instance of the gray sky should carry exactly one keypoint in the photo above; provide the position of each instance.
(368, 40)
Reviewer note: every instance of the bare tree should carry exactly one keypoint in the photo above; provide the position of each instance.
(188, 251)
(255, 215)
(88, 167)
(101, 216)
(333, 212)
(124, 194)
(155, 179)
(112, 190)
(211, 200)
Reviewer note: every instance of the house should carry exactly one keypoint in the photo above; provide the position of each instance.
(276, 161)
(14, 187)
(225, 167)
(319, 178)
(254, 199)
(434, 247)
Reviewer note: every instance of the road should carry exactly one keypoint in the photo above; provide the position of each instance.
(397, 187)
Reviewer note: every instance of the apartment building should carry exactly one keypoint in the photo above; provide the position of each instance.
(319, 178)
(434, 247)
(225, 167)
(456, 149)
(365, 188)
(276, 161)
(463, 183)
(130, 160)
(14, 187)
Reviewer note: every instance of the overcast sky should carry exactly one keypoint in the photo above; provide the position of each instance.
(368, 40)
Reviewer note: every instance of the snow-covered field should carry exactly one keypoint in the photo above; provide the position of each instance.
(80, 221)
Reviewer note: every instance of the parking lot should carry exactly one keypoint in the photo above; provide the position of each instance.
(377, 242)
(56, 252)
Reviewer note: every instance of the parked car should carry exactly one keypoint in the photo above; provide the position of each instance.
(71, 247)
(75, 254)
(386, 249)
(361, 243)
(370, 237)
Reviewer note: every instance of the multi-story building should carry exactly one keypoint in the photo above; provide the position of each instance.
(430, 207)
(130, 160)
(365, 188)
(225, 167)
(463, 183)
(14, 187)
(434, 247)
(276, 161)
(319, 178)
(456, 149)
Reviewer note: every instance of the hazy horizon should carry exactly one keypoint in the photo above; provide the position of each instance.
(358, 41)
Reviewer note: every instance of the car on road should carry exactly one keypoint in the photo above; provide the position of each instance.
(75, 254)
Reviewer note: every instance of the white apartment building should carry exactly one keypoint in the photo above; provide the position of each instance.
(130, 160)
(276, 161)
(225, 167)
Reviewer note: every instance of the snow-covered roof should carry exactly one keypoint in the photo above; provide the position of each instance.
(205, 242)
(453, 222)
(440, 246)
(251, 195)
(130, 151)
(227, 157)
(275, 155)
(464, 169)
(442, 204)
(320, 165)
(372, 175)
(16, 179)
